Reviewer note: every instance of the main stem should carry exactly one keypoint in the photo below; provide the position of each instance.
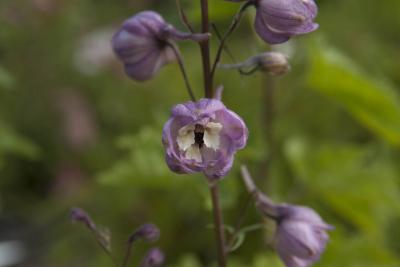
(205, 50)
(218, 223)
(209, 93)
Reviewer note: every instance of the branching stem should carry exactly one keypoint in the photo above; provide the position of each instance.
(183, 70)
(232, 27)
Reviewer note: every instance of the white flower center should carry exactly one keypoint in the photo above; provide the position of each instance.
(192, 138)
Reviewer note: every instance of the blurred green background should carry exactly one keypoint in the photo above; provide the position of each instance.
(75, 131)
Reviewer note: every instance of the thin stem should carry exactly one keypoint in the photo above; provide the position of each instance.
(219, 225)
(183, 70)
(105, 249)
(128, 253)
(183, 17)
(239, 223)
(205, 51)
(219, 36)
(232, 27)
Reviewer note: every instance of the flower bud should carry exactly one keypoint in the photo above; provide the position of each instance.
(278, 20)
(203, 137)
(155, 257)
(143, 44)
(79, 215)
(274, 63)
(147, 232)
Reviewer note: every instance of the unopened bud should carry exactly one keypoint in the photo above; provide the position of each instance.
(147, 232)
(155, 257)
(274, 63)
(79, 215)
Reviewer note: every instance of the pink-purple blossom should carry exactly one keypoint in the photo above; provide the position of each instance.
(203, 137)
(301, 235)
(278, 20)
(143, 44)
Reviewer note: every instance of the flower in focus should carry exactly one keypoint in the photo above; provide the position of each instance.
(278, 20)
(143, 44)
(203, 137)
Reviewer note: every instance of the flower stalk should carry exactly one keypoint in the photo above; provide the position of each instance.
(205, 50)
(218, 222)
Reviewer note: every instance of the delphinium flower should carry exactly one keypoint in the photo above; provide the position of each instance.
(203, 137)
(278, 20)
(144, 44)
(301, 234)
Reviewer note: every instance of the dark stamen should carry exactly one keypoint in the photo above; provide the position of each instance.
(199, 135)
(198, 138)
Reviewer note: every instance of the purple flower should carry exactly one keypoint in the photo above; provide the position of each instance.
(147, 232)
(203, 137)
(301, 235)
(278, 20)
(143, 44)
(154, 257)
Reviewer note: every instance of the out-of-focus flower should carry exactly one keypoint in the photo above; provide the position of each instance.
(102, 234)
(300, 236)
(203, 137)
(155, 257)
(147, 232)
(143, 44)
(79, 215)
(93, 53)
(278, 20)
(274, 63)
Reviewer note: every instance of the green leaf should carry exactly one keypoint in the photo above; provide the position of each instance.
(6, 79)
(373, 103)
(12, 142)
(357, 182)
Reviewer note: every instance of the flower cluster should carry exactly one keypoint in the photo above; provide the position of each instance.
(203, 136)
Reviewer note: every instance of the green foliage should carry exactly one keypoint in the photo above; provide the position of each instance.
(336, 146)
(12, 143)
(373, 103)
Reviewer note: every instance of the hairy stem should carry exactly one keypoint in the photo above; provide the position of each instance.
(183, 70)
(205, 50)
(219, 225)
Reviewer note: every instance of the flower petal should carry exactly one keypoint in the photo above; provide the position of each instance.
(211, 135)
(193, 152)
(185, 138)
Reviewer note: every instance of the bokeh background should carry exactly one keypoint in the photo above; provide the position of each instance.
(75, 131)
